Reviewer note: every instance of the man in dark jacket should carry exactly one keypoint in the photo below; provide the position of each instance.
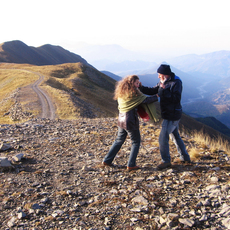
(169, 91)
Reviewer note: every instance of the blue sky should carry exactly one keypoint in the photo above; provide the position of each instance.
(173, 27)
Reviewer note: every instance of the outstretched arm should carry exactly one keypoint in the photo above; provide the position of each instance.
(149, 90)
(150, 99)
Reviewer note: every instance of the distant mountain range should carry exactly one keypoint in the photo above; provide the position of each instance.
(211, 64)
(115, 58)
(19, 52)
(118, 60)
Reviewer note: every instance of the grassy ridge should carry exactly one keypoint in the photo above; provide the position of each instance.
(76, 89)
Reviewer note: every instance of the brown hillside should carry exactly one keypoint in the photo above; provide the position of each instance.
(77, 90)
(19, 52)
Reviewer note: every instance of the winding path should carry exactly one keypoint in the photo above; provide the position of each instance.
(48, 110)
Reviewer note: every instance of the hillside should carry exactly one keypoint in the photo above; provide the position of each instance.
(77, 90)
(215, 124)
(114, 76)
(19, 52)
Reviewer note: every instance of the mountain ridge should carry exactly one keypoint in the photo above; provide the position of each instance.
(215, 124)
(215, 63)
(18, 52)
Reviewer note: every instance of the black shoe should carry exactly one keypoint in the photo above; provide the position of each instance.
(164, 165)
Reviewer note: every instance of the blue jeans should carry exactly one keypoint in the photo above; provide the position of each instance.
(121, 137)
(170, 128)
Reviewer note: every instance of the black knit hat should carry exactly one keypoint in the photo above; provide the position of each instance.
(164, 69)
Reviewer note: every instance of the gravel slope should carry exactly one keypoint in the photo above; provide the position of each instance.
(60, 182)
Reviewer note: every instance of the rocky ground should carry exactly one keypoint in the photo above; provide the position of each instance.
(56, 180)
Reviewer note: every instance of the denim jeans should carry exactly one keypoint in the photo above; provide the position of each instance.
(170, 128)
(121, 137)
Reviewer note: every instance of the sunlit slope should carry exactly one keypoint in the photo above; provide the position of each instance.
(77, 90)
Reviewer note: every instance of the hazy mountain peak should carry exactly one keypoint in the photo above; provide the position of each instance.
(18, 52)
(215, 63)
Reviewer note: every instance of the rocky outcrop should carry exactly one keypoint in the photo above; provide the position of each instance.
(58, 182)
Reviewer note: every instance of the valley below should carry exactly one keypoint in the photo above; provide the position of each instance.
(201, 91)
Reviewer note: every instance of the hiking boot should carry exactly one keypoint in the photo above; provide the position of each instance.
(133, 168)
(107, 164)
(164, 165)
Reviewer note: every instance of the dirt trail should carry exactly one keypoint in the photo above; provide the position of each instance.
(48, 110)
(43, 101)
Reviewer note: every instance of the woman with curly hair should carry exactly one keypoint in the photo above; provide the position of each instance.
(129, 98)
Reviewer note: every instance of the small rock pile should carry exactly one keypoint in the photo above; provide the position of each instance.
(16, 113)
(56, 180)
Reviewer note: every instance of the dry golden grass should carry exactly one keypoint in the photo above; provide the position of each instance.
(57, 87)
(194, 153)
(213, 144)
(61, 79)
(10, 81)
(64, 106)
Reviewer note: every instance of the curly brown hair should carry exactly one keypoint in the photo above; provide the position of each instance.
(125, 88)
